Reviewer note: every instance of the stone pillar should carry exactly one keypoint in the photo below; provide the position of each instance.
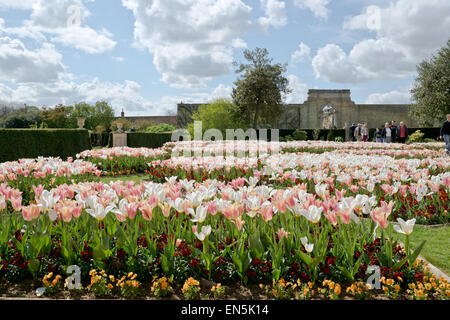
(347, 131)
(119, 139)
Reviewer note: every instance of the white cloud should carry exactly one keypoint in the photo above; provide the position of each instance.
(19, 64)
(406, 33)
(393, 97)
(332, 64)
(302, 54)
(63, 20)
(238, 44)
(299, 90)
(126, 95)
(16, 4)
(85, 39)
(318, 7)
(191, 40)
(275, 15)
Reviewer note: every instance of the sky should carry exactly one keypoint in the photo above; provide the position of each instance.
(145, 56)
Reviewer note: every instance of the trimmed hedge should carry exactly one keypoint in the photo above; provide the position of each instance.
(32, 143)
(147, 140)
(99, 139)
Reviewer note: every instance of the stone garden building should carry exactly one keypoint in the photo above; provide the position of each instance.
(325, 109)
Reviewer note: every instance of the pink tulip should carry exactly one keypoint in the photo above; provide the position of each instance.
(281, 233)
(31, 212)
(380, 217)
(332, 217)
(131, 210)
(239, 223)
(165, 208)
(147, 211)
(340, 193)
(37, 192)
(267, 212)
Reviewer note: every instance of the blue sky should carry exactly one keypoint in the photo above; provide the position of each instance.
(147, 55)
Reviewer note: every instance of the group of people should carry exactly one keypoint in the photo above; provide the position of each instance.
(393, 133)
(390, 133)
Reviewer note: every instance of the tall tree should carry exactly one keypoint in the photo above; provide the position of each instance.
(431, 91)
(259, 91)
(99, 114)
(58, 117)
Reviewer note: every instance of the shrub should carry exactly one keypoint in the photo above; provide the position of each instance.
(162, 127)
(316, 133)
(32, 143)
(339, 139)
(330, 135)
(300, 135)
(417, 136)
(429, 140)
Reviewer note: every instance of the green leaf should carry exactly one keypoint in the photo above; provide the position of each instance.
(255, 245)
(306, 259)
(416, 252)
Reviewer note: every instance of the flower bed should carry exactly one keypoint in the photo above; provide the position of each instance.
(288, 225)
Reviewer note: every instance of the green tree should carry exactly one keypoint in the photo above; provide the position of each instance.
(259, 91)
(22, 118)
(216, 115)
(431, 90)
(58, 117)
(99, 114)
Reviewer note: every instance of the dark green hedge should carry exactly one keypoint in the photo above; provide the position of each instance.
(148, 140)
(99, 139)
(32, 143)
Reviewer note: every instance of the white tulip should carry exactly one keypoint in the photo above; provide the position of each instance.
(199, 214)
(308, 246)
(99, 212)
(405, 227)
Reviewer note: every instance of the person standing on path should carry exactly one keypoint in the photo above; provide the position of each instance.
(386, 133)
(358, 133)
(377, 135)
(365, 132)
(394, 131)
(445, 134)
(402, 133)
(352, 132)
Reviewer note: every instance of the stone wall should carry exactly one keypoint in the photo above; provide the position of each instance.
(310, 114)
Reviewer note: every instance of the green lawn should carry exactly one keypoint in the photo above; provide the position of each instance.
(437, 245)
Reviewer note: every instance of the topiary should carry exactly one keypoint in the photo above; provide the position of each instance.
(417, 136)
(300, 135)
(330, 136)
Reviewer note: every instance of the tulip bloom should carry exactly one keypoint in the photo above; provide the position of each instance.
(405, 227)
(308, 246)
(31, 212)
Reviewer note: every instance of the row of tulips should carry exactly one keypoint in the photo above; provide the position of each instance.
(420, 188)
(221, 231)
(29, 175)
(122, 160)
